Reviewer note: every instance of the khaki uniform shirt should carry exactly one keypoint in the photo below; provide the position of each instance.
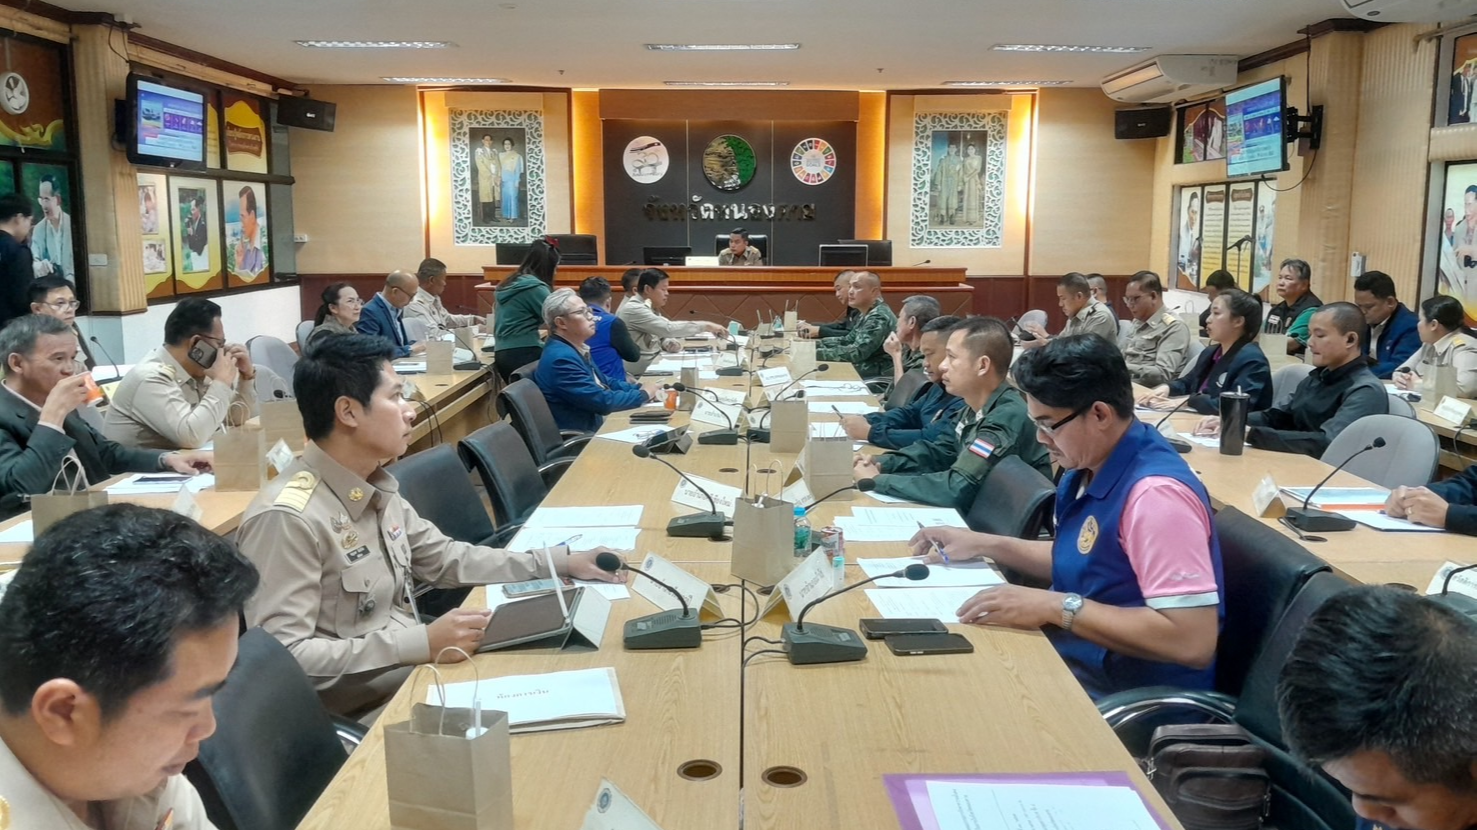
(159, 406)
(651, 330)
(27, 805)
(1094, 318)
(427, 306)
(338, 556)
(751, 256)
(1457, 350)
(1155, 350)
(329, 327)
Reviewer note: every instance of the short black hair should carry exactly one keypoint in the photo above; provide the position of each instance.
(651, 278)
(105, 595)
(1246, 306)
(987, 336)
(740, 232)
(1347, 317)
(1074, 372)
(1385, 670)
(595, 289)
(1220, 280)
(1446, 310)
(1377, 283)
(628, 280)
(430, 268)
(192, 316)
(1147, 281)
(1075, 283)
(249, 194)
(943, 322)
(1300, 268)
(13, 205)
(41, 286)
(347, 366)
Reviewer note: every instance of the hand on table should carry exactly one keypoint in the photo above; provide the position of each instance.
(959, 544)
(856, 427)
(1419, 505)
(1012, 606)
(582, 566)
(1405, 379)
(1146, 395)
(864, 468)
(458, 628)
(190, 462)
(1209, 426)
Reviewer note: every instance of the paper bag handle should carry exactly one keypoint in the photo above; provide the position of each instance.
(231, 412)
(74, 484)
(476, 694)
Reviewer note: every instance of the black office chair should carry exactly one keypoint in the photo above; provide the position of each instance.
(514, 484)
(529, 411)
(522, 372)
(440, 489)
(756, 240)
(275, 748)
(577, 248)
(879, 251)
(1015, 500)
(905, 389)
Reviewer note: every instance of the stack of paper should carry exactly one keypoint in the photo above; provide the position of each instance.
(578, 538)
(835, 388)
(162, 484)
(615, 515)
(1340, 498)
(634, 435)
(843, 407)
(542, 702)
(1069, 801)
(961, 575)
(925, 603)
(894, 524)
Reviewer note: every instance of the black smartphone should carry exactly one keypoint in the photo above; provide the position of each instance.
(203, 353)
(876, 629)
(908, 645)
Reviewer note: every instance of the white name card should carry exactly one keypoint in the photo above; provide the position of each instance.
(1452, 409)
(778, 376)
(614, 810)
(1464, 583)
(279, 456)
(1265, 499)
(807, 583)
(697, 592)
(723, 495)
(706, 412)
(185, 504)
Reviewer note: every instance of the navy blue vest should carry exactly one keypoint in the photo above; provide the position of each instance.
(1087, 559)
(601, 352)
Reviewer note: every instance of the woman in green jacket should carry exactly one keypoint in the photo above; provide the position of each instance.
(520, 303)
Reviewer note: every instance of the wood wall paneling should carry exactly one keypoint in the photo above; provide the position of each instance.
(871, 165)
(1323, 232)
(587, 165)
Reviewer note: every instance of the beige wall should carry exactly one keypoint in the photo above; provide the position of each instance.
(1093, 193)
(358, 193)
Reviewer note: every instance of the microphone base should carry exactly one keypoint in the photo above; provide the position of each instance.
(1310, 520)
(697, 526)
(1180, 446)
(730, 372)
(816, 644)
(759, 436)
(666, 630)
(1458, 602)
(722, 437)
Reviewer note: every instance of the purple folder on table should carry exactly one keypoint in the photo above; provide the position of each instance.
(914, 811)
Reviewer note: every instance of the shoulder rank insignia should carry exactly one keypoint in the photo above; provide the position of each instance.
(297, 491)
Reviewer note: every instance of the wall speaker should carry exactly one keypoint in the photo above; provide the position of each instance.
(1150, 122)
(306, 113)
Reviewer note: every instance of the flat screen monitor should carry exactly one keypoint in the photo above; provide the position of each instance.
(879, 251)
(168, 124)
(843, 256)
(512, 253)
(666, 255)
(1255, 141)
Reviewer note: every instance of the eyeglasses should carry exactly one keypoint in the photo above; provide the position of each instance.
(584, 312)
(1051, 429)
(1131, 299)
(64, 305)
(218, 342)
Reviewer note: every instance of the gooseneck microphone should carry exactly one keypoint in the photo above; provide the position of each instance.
(1311, 520)
(696, 525)
(815, 503)
(819, 367)
(1180, 445)
(829, 644)
(664, 629)
(104, 349)
(723, 437)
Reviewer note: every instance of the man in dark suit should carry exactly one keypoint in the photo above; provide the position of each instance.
(382, 317)
(40, 426)
(15, 258)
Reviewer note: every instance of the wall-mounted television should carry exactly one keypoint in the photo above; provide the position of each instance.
(1255, 142)
(166, 124)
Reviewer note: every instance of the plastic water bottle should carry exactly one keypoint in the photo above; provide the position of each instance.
(802, 533)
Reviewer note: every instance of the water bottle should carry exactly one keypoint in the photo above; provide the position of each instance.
(802, 533)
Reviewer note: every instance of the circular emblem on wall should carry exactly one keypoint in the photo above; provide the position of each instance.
(728, 163)
(645, 160)
(813, 161)
(15, 94)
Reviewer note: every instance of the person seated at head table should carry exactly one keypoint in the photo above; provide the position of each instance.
(842, 286)
(383, 316)
(652, 332)
(54, 296)
(739, 251)
(1340, 391)
(948, 471)
(580, 393)
(861, 345)
(1217, 282)
(903, 344)
(1294, 313)
(611, 345)
(339, 548)
(1378, 693)
(1099, 287)
(183, 392)
(1158, 344)
(1235, 363)
(115, 634)
(520, 301)
(1084, 314)
(1136, 595)
(1392, 326)
(338, 314)
(930, 415)
(40, 427)
(426, 305)
(1445, 343)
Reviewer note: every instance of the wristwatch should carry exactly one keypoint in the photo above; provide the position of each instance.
(1071, 604)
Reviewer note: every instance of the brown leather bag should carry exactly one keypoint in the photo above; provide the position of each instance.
(1211, 775)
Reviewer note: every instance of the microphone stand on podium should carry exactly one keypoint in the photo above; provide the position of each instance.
(808, 645)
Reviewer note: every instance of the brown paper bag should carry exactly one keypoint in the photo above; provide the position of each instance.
(687, 400)
(240, 459)
(763, 540)
(802, 356)
(439, 357)
(789, 425)
(466, 337)
(1438, 382)
(828, 467)
(68, 495)
(281, 421)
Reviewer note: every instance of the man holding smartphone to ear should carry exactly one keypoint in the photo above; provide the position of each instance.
(184, 391)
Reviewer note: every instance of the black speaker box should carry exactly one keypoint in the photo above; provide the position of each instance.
(306, 113)
(1151, 122)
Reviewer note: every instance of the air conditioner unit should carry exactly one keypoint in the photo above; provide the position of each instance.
(1170, 78)
(1411, 11)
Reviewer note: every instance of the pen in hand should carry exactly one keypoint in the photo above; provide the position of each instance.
(936, 547)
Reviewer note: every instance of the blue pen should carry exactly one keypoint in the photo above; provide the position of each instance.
(936, 546)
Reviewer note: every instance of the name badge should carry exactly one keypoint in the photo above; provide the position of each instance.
(357, 554)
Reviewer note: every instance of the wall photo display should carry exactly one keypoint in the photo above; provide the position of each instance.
(1456, 236)
(194, 210)
(53, 246)
(1202, 132)
(497, 176)
(248, 254)
(1223, 226)
(958, 180)
(154, 225)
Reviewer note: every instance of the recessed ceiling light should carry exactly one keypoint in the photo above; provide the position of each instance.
(722, 47)
(1005, 83)
(1039, 47)
(376, 44)
(468, 81)
(726, 83)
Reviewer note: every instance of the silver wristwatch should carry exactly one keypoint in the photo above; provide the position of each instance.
(1071, 604)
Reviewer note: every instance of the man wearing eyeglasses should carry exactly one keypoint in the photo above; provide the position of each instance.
(383, 315)
(1156, 346)
(182, 392)
(54, 296)
(1136, 590)
(579, 394)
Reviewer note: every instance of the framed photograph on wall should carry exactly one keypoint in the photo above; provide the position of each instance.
(52, 244)
(194, 211)
(958, 180)
(153, 221)
(497, 176)
(1202, 132)
(1187, 237)
(1453, 245)
(248, 252)
(1456, 87)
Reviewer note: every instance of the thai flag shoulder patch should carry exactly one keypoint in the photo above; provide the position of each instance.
(982, 448)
